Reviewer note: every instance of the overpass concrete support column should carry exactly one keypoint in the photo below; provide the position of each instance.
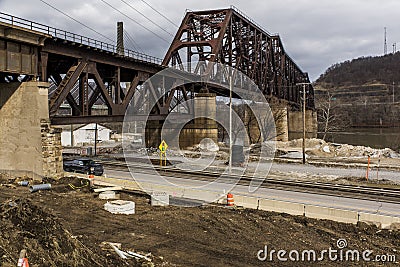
(295, 124)
(204, 126)
(28, 144)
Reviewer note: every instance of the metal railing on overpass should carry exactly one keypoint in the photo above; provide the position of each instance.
(72, 37)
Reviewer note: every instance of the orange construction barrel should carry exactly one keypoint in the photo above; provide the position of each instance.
(229, 200)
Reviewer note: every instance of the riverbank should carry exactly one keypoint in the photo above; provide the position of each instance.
(322, 153)
(373, 137)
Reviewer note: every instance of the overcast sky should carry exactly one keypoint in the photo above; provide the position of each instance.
(315, 33)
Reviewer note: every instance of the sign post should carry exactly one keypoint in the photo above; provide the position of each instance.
(163, 153)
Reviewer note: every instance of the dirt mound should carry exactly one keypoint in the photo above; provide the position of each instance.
(27, 226)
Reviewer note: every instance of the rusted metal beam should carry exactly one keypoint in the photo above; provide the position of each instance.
(68, 120)
(65, 86)
(71, 51)
(227, 36)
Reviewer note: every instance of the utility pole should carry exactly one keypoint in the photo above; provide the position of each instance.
(385, 44)
(95, 141)
(304, 121)
(393, 93)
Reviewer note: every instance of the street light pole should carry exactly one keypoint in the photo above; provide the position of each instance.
(230, 121)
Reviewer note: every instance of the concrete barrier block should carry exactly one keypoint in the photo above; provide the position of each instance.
(281, 206)
(395, 226)
(246, 202)
(317, 212)
(203, 195)
(384, 220)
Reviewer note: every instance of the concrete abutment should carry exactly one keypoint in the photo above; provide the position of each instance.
(28, 143)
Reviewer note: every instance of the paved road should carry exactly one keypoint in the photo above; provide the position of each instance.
(298, 197)
(296, 171)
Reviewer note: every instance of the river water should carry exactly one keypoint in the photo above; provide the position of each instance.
(372, 137)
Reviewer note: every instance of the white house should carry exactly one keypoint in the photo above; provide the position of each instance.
(84, 135)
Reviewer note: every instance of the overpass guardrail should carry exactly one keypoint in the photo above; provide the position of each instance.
(72, 37)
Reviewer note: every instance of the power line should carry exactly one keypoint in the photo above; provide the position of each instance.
(134, 44)
(144, 27)
(126, 38)
(130, 42)
(154, 23)
(77, 21)
(170, 21)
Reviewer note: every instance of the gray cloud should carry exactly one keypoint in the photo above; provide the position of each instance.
(316, 33)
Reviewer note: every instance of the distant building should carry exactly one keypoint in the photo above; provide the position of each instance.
(84, 135)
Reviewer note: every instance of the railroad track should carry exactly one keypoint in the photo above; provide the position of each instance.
(271, 181)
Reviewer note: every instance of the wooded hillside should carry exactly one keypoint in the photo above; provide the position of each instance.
(364, 70)
(362, 92)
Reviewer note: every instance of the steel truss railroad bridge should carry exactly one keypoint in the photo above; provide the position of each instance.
(86, 73)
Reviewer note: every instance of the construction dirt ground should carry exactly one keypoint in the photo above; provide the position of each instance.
(66, 226)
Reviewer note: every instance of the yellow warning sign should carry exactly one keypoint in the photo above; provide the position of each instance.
(163, 146)
(163, 153)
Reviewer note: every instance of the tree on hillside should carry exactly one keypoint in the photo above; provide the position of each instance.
(329, 117)
(363, 70)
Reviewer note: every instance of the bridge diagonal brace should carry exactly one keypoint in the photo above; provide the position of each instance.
(103, 89)
(153, 94)
(65, 87)
(186, 98)
(138, 100)
(171, 94)
(74, 106)
(132, 89)
(94, 96)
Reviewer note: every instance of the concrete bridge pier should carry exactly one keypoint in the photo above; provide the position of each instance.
(203, 126)
(28, 143)
(280, 114)
(295, 124)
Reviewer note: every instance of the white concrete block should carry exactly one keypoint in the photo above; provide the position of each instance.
(339, 215)
(281, 206)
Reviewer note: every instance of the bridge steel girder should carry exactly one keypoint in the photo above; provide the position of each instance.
(227, 36)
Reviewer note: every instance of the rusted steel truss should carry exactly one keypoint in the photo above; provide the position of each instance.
(92, 86)
(82, 90)
(85, 91)
(229, 37)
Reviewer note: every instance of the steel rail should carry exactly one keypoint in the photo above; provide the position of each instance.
(271, 181)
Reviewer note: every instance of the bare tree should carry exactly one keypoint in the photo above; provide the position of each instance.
(262, 125)
(258, 123)
(330, 118)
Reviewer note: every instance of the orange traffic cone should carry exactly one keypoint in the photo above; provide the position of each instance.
(229, 200)
(23, 260)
